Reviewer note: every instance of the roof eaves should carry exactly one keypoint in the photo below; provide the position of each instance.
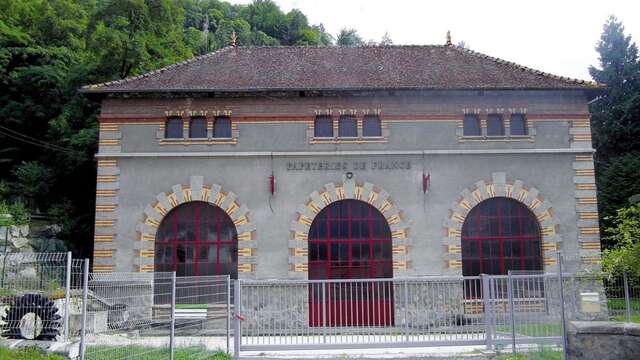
(530, 70)
(87, 88)
(290, 89)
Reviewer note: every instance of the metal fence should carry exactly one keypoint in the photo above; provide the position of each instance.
(159, 315)
(132, 315)
(516, 313)
(35, 295)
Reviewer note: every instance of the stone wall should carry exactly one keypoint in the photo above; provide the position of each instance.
(603, 340)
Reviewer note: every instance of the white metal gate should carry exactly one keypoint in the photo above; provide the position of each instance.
(407, 312)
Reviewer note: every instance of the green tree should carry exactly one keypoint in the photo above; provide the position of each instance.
(50, 48)
(625, 233)
(617, 181)
(129, 37)
(386, 39)
(620, 71)
(349, 37)
(615, 120)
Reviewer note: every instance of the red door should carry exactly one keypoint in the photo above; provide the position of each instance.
(350, 240)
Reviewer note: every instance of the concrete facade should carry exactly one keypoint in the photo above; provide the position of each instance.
(141, 175)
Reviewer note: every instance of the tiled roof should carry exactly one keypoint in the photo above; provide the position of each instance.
(340, 68)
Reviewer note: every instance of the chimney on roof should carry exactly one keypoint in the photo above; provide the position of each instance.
(448, 43)
(234, 37)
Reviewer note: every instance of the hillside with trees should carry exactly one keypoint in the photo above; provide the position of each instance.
(50, 48)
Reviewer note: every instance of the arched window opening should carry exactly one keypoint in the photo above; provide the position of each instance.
(323, 126)
(350, 239)
(173, 128)
(198, 128)
(197, 239)
(371, 126)
(500, 235)
(222, 127)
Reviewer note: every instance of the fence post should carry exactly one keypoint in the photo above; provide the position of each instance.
(237, 327)
(562, 314)
(511, 312)
(627, 299)
(172, 330)
(85, 297)
(324, 312)
(486, 299)
(228, 311)
(67, 297)
(406, 311)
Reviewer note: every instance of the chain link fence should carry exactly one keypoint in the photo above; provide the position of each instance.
(35, 295)
(53, 297)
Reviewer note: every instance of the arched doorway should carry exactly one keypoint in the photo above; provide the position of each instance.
(350, 239)
(500, 235)
(197, 239)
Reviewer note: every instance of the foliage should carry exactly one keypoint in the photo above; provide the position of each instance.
(19, 214)
(625, 234)
(110, 352)
(26, 354)
(349, 37)
(541, 354)
(615, 120)
(618, 180)
(49, 48)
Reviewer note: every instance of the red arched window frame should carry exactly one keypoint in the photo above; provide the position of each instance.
(196, 239)
(498, 235)
(350, 239)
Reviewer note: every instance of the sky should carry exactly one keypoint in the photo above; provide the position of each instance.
(556, 36)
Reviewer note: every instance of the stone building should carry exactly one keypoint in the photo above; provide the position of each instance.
(363, 162)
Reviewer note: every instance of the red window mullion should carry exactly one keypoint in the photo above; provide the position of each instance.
(500, 240)
(371, 245)
(196, 241)
(480, 243)
(511, 231)
(350, 243)
(521, 231)
(174, 245)
(328, 224)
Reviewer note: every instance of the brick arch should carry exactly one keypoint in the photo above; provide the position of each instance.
(498, 186)
(347, 189)
(197, 191)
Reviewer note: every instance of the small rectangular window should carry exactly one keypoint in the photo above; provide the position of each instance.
(495, 125)
(323, 127)
(347, 126)
(471, 125)
(371, 126)
(518, 124)
(222, 127)
(198, 128)
(173, 128)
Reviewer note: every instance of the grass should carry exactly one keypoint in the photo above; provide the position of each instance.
(146, 353)
(634, 318)
(540, 355)
(620, 304)
(192, 306)
(27, 354)
(533, 329)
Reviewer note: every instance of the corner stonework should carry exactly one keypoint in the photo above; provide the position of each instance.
(196, 191)
(347, 189)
